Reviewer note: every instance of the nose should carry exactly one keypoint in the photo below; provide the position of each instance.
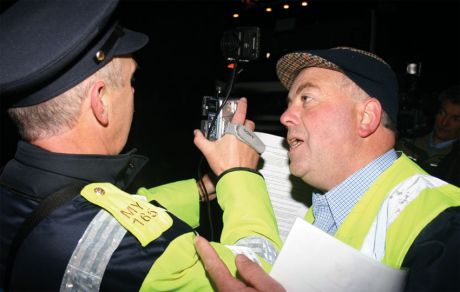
(443, 121)
(288, 117)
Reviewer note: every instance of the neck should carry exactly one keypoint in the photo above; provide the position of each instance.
(72, 142)
(364, 152)
(437, 141)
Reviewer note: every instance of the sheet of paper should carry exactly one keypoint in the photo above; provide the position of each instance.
(288, 194)
(312, 260)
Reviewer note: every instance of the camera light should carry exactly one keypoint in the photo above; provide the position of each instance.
(286, 6)
(236, 15)
(413, 68)
(268, 9)
(304, 3)
(267, 55)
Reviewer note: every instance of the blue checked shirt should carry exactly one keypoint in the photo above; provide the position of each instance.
(331, 208)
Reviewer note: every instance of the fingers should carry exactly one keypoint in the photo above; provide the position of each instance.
(225, 153)
(253, 275)
(215, 267)
(240, 115)
(228, 152)
(200, 141)
(208, 184)
(210, 259)
(250, 125)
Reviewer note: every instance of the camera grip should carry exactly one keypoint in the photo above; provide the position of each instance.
(245, 135)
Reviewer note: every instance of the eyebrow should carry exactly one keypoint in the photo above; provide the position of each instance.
(302, 86)
(305, 85)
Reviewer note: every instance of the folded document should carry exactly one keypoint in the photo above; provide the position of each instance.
(312, 260)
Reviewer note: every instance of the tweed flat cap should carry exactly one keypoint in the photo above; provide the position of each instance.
(49, 46)
(367, 70)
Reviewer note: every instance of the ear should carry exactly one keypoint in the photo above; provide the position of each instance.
(98, 102)
(370, 117)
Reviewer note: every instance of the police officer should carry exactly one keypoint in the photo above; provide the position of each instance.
(66, 223)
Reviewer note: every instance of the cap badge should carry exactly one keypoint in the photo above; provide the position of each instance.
(100, 55)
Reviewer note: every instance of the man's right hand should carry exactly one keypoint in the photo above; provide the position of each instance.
(229, 152)
(254, 277)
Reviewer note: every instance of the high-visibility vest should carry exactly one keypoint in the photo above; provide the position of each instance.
(392, 213)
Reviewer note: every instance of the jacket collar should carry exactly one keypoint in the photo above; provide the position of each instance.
(37, 169)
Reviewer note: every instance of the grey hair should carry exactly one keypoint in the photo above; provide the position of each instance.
(359, 94)
(60, 114)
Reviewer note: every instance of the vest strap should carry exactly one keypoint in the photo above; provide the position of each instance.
(90, 258)
(46, 207)
(397, 200)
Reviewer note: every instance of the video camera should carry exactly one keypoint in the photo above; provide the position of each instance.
(237, 45)
(241, 44)
(210, 110)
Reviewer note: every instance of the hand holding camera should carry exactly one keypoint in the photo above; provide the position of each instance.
(228, 151)
(225, 123)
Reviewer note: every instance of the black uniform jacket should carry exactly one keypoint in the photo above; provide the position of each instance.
(42, 258)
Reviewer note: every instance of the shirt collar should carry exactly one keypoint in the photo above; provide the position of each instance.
(344, 196)
(441, 145)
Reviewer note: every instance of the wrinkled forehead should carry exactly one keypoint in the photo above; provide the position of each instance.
(316, 77)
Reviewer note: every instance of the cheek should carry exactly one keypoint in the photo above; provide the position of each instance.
(129, 99)
(328, 126)
(454, 123)
(456, 126)
(438, 119)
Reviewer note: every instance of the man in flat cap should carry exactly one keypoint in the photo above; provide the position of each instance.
(66, 223)
(341, 115)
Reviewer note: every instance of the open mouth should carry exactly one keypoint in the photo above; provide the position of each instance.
(294, 143)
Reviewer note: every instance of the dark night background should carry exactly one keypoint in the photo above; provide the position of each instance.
(183, 62)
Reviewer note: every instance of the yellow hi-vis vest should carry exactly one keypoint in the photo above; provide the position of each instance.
(395, 209)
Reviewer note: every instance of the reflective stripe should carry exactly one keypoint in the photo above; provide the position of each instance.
(396, 201)
(89, 260)
(254, 245)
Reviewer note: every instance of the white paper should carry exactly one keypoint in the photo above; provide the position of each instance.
(312, 260)
(288, 194)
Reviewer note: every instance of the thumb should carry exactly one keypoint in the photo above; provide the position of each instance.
(200, 141)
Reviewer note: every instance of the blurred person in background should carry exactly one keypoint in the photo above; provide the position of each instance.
(430, 151)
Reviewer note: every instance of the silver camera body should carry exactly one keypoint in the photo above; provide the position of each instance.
(210, 107)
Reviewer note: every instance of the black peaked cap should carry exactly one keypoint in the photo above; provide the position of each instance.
(49, 46)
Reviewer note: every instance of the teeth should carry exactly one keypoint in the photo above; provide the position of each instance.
(293, 142)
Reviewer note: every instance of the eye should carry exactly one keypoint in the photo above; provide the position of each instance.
(305, 98)
(133, 80)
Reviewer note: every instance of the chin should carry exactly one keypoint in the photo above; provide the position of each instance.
(445, 138)
(295, 171)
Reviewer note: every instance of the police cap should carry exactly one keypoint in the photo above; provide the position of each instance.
(50, 46)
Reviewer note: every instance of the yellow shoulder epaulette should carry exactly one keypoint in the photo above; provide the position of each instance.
(144, 220)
